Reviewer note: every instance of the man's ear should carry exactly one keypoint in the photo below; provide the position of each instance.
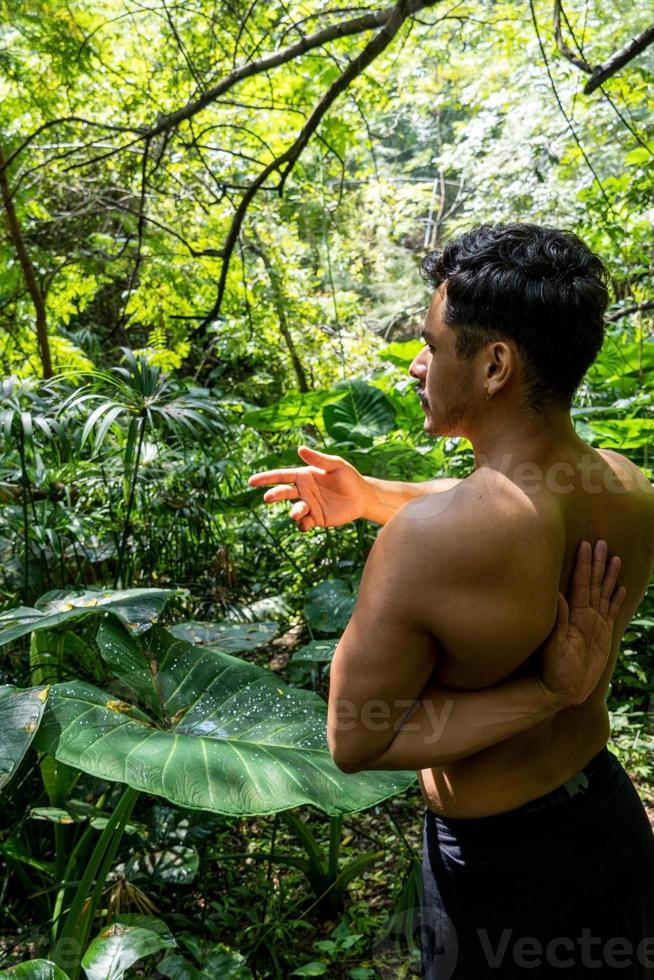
(500, 366)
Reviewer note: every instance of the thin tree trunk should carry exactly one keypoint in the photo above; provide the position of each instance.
(279, 301)
(33, 287)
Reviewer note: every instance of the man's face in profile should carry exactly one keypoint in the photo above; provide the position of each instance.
(446, 381)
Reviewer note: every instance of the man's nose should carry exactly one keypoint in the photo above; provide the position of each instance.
(418, 366)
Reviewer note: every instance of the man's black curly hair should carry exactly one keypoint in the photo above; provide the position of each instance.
(540, 287)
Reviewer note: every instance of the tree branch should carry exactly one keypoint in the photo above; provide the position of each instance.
(567, 52)
(357, 25)
(180, 46)
(619, 60)
(139, 233)
(629, 310)
(285, 163)
(165, 123)
(58, 122)
(28, 270)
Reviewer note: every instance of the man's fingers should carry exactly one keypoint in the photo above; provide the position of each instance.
(580, 587)
(315, 458)
(312, 457)
(562, 620)
(608, 584)
(267, 477)
(306, 524)
(616, 601)
(299, 510)
(282, 492)
(598, 567)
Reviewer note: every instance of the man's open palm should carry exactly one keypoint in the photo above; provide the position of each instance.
(577, 651)
(327, 492)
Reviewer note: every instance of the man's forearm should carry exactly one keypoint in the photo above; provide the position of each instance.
(450, 725)
(385, 497)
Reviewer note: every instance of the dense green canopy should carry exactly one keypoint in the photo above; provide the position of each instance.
(230, 185)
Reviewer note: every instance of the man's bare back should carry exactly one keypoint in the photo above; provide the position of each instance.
(586, 494)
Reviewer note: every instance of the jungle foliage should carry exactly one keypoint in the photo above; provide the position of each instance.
(212, 217)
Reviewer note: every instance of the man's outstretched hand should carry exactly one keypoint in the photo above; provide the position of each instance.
(327, 492)
(577, 650)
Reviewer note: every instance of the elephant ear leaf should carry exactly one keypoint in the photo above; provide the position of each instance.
(36, 970)
(329, 605)
(217, 961)
(231, 737)
(128, 939)
(363, 413)
(138, 609)
(228, 637)
(127, 658)
(20, 716)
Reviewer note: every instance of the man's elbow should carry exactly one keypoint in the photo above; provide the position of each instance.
(345, 764)
(345, 755)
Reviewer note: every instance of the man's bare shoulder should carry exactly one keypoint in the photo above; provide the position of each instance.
(484, 536)
(487, 571)
(625, 468)
(485, 511)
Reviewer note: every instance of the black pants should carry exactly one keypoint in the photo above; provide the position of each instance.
(562, 887)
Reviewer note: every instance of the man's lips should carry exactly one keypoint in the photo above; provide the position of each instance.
(421, 395)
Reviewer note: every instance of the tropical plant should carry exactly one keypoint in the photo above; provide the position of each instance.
(148, 400)
(194, 725)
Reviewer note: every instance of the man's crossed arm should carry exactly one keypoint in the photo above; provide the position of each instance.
(376, 721)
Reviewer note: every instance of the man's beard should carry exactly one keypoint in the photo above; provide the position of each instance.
(446, 422)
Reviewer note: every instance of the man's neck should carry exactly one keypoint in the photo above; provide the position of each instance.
(506, 442)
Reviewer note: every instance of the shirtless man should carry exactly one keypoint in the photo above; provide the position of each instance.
(538, 855)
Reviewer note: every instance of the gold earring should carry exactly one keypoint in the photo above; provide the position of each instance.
(488, 394)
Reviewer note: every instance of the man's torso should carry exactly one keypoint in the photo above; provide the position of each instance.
(591, 495)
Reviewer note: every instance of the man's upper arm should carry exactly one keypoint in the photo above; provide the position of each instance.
(386, 654)
(434, 581)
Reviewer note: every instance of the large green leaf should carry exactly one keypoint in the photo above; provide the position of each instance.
(394, 459)
(365, 412)
(20, 715)
(232, 737)
(137, 608)
(130, 662)
(36, 970)
(292, 411)
(623, 433)
(227, 964)
(315, 652)
(79, 811)
(229, 637)
(177, 967)
(122, 943)
(409, 413)
(619, 360)
(401, 353)
(328, 605)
